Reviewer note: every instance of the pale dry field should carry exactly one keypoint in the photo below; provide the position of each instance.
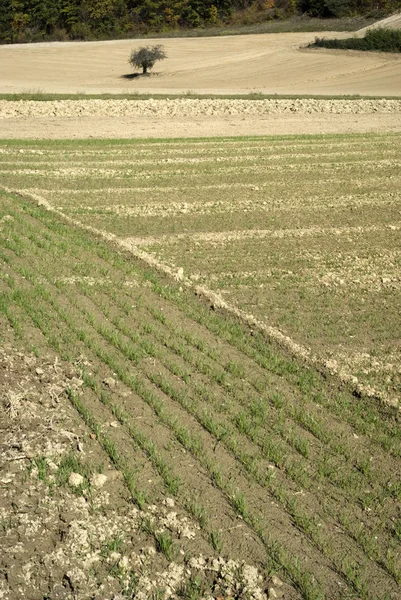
(185, 117)
(268, 63)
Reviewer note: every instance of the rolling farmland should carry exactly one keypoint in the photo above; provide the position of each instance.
(269, 459)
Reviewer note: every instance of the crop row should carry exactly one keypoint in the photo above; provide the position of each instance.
(188, 383)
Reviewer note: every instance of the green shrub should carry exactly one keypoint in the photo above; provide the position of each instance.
(146, 56)
(385, 40)
(379, 40)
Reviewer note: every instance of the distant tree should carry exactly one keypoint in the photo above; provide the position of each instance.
(146, 56)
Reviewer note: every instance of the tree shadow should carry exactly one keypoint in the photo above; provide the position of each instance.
(137, 75)
(131, 75)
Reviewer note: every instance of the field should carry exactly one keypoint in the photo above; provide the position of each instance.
(194, 313)
(241, 64)
(302, 233)
(200, 353)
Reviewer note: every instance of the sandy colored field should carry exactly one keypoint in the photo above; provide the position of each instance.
(272, 63)
(172, 127)
(69, 119)
(394, 21)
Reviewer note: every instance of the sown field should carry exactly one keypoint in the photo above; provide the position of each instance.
(200, 353)
(264, 460)
(302, 233)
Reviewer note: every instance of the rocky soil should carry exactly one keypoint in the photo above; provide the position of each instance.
(68, 530)
(186, 107)
(188, 117)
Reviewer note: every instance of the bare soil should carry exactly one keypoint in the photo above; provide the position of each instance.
(268, 63)
(69, 529)
(80, 119)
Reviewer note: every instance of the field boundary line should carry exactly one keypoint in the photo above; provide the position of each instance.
(297, 350)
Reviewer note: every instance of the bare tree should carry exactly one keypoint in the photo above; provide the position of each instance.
(146, 56)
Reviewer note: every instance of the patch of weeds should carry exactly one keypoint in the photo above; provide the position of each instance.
(273, 451)
(243, 423)
(397, 529)
(165, 544)
(298, 473)
(6, 524)
(41, 465)
(216, 541)
(111, 450)
(172, 483)
(305, 582)
(353, 573)
(129, 584)
(114, 544)
(277, 400)
(35, 350)
(239, 503)
(216, 475)
(199, 512)
(147, 525)
(157, 314)
(301, 445)
(138, 496)
(259, 409)
(395, 490)
(193, 589)
(236, 369)
(392, 565)
(271, 567)
(364, 466)
(72, 464)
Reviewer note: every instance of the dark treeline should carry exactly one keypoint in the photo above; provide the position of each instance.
(36, 20)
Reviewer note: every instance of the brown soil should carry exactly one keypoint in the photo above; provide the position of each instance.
(63, 541)
(286, 479)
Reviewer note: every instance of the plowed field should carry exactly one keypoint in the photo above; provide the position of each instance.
(227, 446)
(200, 355)
(269, 63)
(201, 368)
(301, 233)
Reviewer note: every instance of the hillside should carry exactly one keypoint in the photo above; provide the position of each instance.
(25, 21)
